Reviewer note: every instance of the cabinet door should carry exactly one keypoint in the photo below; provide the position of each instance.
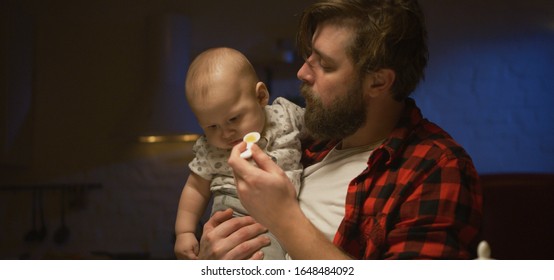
(16, 84)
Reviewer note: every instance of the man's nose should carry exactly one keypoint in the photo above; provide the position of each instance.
(305, 73)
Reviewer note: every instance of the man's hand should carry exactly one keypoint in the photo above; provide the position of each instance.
(225, 237)
(269, 196)
(264, 190)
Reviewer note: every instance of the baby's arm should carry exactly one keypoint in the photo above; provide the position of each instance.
(194, 199)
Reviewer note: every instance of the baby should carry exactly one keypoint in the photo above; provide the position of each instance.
(229, 101)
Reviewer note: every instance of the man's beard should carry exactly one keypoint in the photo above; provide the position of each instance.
(344, 116)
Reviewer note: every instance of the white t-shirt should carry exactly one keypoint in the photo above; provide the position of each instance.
(325, 184)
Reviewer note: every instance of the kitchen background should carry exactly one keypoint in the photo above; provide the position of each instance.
(82, 80)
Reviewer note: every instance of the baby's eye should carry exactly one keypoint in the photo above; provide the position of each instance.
(234, 119)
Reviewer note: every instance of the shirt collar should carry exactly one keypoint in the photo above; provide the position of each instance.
(410, 118)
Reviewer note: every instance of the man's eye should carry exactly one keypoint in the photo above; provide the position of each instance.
(326, 68)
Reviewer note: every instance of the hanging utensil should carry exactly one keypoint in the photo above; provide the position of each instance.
(32, 235)
(42, 232)
(62, 233)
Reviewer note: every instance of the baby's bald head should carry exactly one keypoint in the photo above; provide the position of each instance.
(214, 66)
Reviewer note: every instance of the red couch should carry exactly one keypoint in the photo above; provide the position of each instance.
(518, 215)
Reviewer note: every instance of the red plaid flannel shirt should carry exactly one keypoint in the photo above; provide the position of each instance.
(418, 198)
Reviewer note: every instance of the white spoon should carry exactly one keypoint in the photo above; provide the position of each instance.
(250, 139)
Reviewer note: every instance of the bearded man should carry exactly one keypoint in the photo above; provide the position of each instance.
(380, 181)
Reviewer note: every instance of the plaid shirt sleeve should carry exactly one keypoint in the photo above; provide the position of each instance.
(419, 198)
(435, 214)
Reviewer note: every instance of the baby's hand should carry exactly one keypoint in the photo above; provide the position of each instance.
(186, 246)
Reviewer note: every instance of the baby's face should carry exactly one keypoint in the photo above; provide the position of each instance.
(229, 114)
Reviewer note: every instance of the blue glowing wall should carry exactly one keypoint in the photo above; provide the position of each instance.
(495, 94)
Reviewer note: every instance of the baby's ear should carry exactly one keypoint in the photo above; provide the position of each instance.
(262, 94)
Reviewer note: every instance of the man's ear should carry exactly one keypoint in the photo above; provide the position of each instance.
(379, 82)
(262, 94)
